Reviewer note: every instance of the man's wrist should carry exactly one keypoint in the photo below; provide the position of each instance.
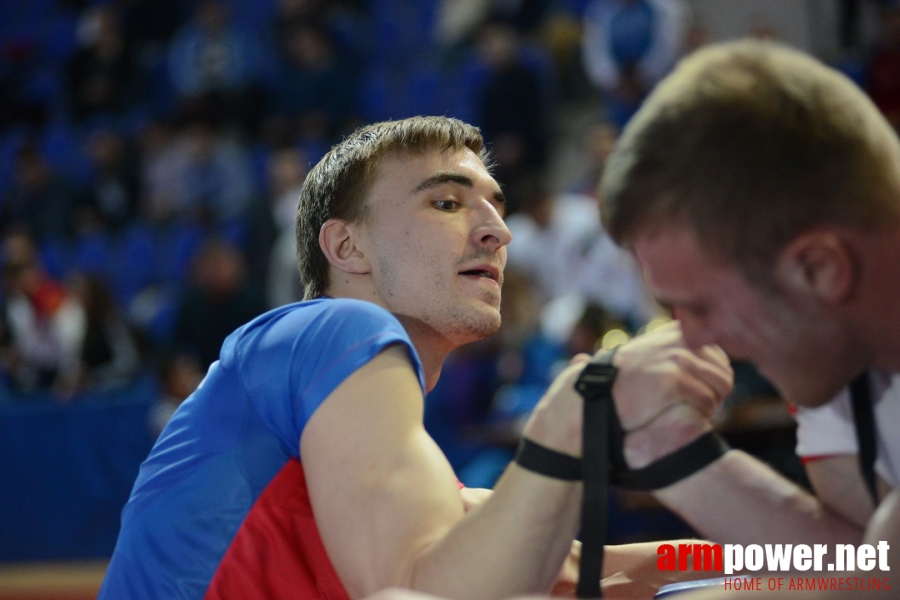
(671, 430)
(557, 419)
(558, 431)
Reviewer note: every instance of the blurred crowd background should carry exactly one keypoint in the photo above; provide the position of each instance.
(151, 156)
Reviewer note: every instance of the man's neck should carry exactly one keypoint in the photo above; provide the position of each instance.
(431, 346)
(880, 306)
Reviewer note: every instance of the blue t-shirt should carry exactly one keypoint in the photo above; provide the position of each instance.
(233, 436)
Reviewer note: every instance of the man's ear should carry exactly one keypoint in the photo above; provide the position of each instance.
(339, 242)
(821, 264)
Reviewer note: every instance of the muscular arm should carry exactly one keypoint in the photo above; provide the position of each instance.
(884, 526)
(386, 501)
(840, 486)
(628, 569)
(739, 499)
(389, 511)
(736, 499)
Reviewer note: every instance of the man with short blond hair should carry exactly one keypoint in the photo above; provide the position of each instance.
(760, 192)
(300, 467)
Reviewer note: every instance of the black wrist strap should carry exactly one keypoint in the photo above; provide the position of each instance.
(543, 460)
(864, 423)
(673, 467)
(595, 386)
(604, 463)
(670, 469)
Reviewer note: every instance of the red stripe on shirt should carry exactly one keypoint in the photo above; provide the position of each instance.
(277, 552)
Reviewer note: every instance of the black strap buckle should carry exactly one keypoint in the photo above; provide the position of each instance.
(603, 463)
(595, 386)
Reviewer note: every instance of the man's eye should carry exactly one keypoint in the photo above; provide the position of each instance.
(445, 204)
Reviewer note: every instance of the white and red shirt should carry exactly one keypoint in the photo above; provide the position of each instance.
(828, 430)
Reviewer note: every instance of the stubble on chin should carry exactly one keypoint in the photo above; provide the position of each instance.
(473, 325)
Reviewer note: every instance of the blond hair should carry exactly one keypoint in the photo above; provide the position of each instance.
(336, 187)
(749, 144)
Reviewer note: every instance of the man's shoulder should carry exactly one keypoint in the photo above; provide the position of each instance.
(314, 314)
(331, 322)
(343, 316)
(348, 307)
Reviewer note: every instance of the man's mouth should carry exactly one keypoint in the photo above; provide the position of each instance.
(479, 273)
(484, 271)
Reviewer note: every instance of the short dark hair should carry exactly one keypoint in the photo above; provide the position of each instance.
(748, 144)
(336, 187)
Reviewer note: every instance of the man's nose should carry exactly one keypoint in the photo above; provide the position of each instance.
(492, 231)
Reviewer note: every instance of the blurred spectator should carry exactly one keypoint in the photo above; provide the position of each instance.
(457, 21)
(217, 181)
(291, 14)
(214, 185)
(100, 76)
(512, 106)
(559, 243)
(110, 199)
(883, 69)
(179, 376)
(21, 101)
(849, 22)
(39, 201)
(560, 34)
(609, 276)
(548, 237)
(336, 17)
(314, 89)
(216, 302)
(149, 24)
(43, 326)
(216, 67)
(599, 143)
(287, 171)
(341, 20)
(588, 330)
(161, 159)
(628, 46)
(525, 15)
(526, 356)
(109, 352)
(461, 400)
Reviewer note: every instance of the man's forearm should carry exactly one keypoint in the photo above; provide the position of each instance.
(884, 527)
(739, 499)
